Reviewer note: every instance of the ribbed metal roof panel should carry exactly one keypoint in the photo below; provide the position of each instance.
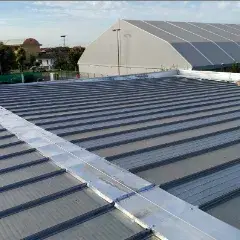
(174, 129)
(36, 190)
(47, 215)
(108, 226)
(24, 174)
(38, 200)
(207, 188)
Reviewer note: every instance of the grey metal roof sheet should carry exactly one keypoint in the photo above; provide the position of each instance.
(200, 44)
(174, 131)
(39, 200)
(229, 211)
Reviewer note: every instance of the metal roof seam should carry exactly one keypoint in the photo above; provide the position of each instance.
(217, 201)
(222, 29)
(23, 165)
(204, 38)
(185, 41)
(2, 157)
(6, 136)
(42, 200)
(154, 126)
(200, 174)
(31, 180)
(213, 33)
(228, 25)
(174, 143)
(71, 223)
(11, 144)
(144, 234)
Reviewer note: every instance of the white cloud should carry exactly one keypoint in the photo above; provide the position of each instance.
(223, 4)
(82, 22)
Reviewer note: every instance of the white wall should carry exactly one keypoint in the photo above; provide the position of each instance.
(216, 76)
(139, 52)
(48, 63)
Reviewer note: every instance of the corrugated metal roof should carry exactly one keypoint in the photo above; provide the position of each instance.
(201, 44)
(177, 132)
(39, 200)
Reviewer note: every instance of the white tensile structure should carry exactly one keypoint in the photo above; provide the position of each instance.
(149, 46)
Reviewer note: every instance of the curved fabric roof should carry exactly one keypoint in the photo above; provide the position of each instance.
(201, 44)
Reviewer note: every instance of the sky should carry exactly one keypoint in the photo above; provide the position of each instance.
(84, 21)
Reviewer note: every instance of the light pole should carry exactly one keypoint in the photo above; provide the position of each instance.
(63, 36)
(127, 37)
(118, 56)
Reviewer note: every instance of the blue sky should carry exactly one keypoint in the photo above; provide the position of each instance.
(83, 22)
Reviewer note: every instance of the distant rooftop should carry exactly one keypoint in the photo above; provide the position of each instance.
(19, 42)
(205, 45)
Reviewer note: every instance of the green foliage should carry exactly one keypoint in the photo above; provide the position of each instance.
(73, 56)
(7, 59)
(32, 60)
(60, 55)
(20, 57)
(235, 68)
(66, 58)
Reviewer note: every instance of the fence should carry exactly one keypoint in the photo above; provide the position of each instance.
(17, 77)
(35, 76)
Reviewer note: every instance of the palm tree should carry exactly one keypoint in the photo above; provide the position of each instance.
(20, 57)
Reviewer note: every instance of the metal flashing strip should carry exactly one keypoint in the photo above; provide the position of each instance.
(169, 73)
(209, 75)
(172, 218)
(110, 181)
(169, 216)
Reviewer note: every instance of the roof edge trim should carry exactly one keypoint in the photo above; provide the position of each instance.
(210, 75)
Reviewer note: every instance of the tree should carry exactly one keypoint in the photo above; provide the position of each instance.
(20, 57)
(60, 56)
(32, 60)
(38, 63)
(74, 55)
(235, 68)
(7, 59)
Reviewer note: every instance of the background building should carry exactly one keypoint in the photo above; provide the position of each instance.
(46, 58)
(30, 45)
(148, 46)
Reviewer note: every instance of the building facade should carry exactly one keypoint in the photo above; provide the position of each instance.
(30, 45)
(148, 46)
